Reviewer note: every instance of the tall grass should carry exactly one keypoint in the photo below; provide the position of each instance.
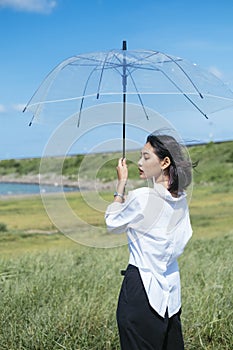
(66, 298)
(56, 294)
(60, 299)
(207, 294)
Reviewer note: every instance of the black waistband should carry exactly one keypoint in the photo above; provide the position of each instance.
(129, 268)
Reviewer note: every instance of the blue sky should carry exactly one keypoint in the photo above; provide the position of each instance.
(36, 35)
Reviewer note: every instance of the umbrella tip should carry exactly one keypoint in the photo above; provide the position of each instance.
(124, 45)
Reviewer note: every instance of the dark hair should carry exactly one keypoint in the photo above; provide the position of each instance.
(180, 169)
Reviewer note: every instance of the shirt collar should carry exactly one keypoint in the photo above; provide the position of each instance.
(164, 193)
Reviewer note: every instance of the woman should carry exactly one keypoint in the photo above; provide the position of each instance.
(158, 228)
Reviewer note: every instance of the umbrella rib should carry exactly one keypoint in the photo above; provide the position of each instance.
(187, 76)
(83, 96)
(179, 89)
(138, 94)
(96, 62)
(146, 58)
(175, 61)
(139, 60)
(101, 76)
(117, 65)
(85, 87)
(55, 72)
(184, 94)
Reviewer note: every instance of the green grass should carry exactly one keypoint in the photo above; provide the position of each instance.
(57, 294)
(63, 296)
(215, 163)
(211, 211)
(60, 299)
(206, 276)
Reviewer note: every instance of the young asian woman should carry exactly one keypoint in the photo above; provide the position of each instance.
(157, 223)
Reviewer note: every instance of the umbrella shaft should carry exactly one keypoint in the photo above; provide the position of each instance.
(124, 83)
(123, 125)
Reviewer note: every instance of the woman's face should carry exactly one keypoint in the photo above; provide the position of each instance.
(149, 165)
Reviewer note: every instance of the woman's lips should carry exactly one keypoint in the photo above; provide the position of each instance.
(140, 171)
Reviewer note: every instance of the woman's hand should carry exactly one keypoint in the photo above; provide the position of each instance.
(122, 175)
(122, 170)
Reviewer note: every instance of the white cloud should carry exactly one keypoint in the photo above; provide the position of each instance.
(2, 108)
(39, 6)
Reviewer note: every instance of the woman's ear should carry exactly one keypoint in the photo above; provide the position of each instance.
(165, 163)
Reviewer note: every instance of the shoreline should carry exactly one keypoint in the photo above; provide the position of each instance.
(63, 181)
(37, 179)
(55, 180)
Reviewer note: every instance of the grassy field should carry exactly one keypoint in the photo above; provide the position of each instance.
(58, 294)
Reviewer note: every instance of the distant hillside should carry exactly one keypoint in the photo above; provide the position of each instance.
(215, 165)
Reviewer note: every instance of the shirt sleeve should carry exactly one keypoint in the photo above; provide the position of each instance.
(119, 215)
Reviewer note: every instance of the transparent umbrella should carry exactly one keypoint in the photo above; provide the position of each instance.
(151, 79)
(118, 97)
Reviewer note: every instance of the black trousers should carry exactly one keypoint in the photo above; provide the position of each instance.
(140, 326)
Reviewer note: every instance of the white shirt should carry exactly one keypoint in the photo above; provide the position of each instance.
(158, 228)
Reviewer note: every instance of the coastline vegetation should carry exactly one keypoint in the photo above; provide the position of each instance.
(215, 164)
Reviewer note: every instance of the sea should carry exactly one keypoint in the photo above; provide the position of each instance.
(14, 188)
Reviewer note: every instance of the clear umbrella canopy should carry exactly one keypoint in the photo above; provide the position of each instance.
(156, 82)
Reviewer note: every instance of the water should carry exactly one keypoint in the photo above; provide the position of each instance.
(13, 188)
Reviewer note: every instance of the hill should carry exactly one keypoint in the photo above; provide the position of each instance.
(215, 166)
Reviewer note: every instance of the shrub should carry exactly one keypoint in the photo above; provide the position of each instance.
(3, 227)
